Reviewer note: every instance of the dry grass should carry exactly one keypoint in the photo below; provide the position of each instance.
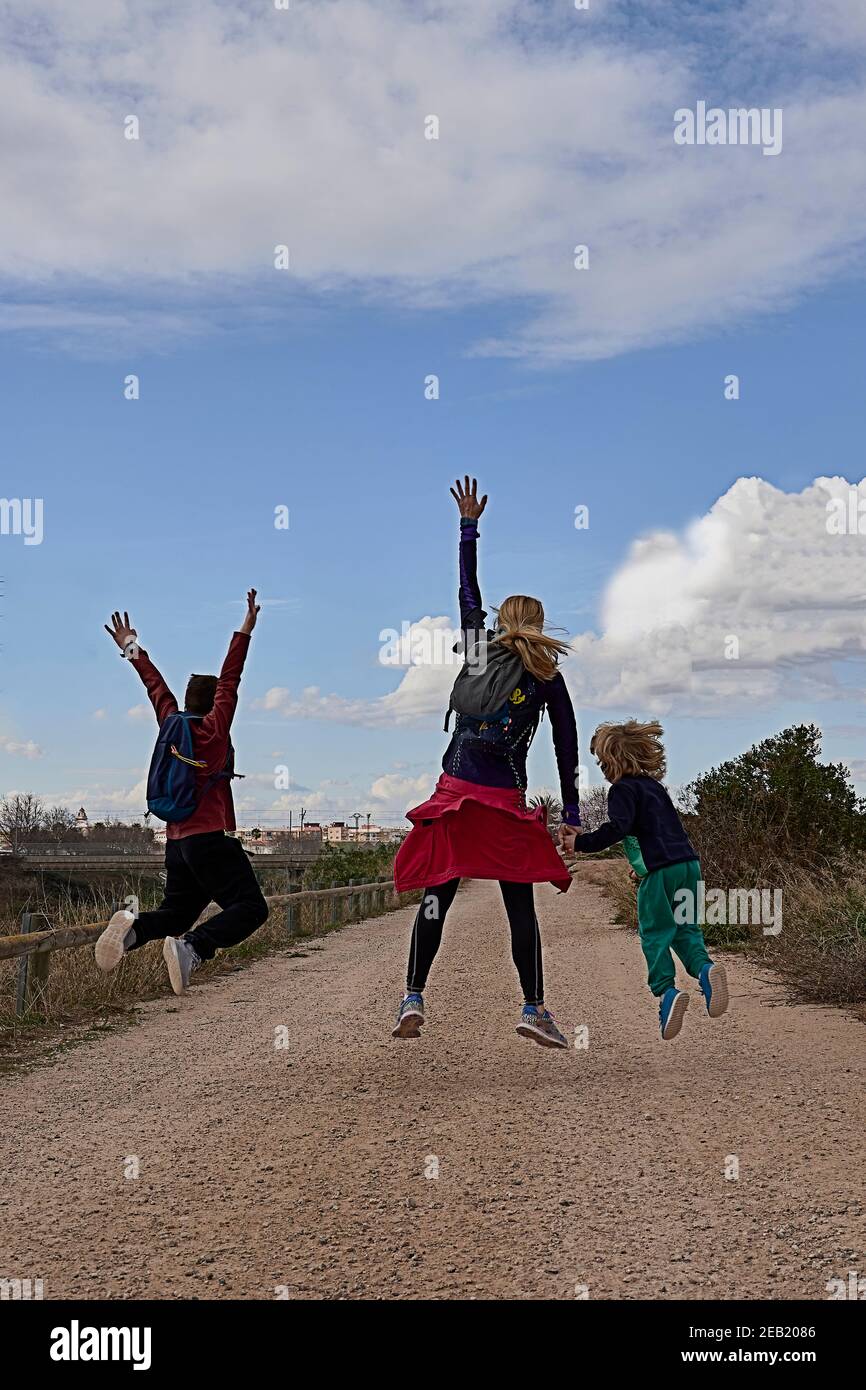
(821, 949)
(80, 995)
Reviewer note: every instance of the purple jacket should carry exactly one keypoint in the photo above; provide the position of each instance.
(496, 757)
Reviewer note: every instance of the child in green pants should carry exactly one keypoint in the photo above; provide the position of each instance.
(662, 859)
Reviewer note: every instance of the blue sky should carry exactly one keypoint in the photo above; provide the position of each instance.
(308, 391)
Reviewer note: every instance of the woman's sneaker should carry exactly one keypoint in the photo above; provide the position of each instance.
(410, 1016)
(714, 987)
(539, 1025)
(182, 959)
(116, 940)
(672, 1011)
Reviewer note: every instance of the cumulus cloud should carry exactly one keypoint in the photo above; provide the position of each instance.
(758, 598)
(139, 713)
(393, 793)
(306, 128)
(761, 597)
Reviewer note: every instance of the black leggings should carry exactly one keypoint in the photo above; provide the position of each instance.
(525, 936)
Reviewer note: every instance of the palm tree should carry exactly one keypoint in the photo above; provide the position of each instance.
(552, 807)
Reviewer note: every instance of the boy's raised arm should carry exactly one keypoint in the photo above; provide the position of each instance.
(126, 637)
(226, 698)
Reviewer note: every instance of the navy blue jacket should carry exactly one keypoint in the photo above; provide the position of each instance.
(640, 806)
(494, 757)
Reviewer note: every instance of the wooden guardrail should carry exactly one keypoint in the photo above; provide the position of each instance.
(35, 945)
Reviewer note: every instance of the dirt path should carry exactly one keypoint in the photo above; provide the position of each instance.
(305, 1168)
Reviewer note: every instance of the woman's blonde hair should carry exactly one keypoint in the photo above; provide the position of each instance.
(521, 621)
(629, 750)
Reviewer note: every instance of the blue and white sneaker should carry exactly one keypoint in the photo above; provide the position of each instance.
(410, 1017)
(540, 1025)
(714, 987)
(672, 1011)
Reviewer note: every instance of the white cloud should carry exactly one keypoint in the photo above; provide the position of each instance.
(18, 749)
(761, 567)
(99, 800)
(139, 713)
(424, 687)
(260, 127)
(393, 793)
(100, 714)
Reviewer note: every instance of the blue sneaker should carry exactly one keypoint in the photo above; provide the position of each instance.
(714, 987)
(410, 1016)
(539, 1024)
(672, 1011)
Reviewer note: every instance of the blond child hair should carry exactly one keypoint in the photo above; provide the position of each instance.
(631, 749)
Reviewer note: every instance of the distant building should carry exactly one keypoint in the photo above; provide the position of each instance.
(81, 822)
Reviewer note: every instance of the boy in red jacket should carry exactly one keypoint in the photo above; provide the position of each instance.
(203, 863)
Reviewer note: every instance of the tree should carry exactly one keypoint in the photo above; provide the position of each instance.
(58, 825)
(21, 817)
(593, 808)
(775, 804)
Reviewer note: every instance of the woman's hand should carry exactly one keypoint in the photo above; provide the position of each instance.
(253, 610)
(467, 499)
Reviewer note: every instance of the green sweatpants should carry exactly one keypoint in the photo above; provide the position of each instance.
(660, 932)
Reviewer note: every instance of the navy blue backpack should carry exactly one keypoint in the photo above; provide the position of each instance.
(171, 789)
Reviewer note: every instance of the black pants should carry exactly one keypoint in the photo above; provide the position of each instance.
(202, 869)
(525, 936)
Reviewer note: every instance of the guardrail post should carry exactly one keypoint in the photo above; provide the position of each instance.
(335, 910)
(291, 928)
(32, 984)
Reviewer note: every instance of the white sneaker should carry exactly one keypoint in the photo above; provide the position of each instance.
(116, 940)
(182, 959)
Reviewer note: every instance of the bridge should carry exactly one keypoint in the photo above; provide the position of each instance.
(115, 862)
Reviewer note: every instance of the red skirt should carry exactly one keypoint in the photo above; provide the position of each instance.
(469, 831)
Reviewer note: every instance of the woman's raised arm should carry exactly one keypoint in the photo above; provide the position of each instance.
(472, 615)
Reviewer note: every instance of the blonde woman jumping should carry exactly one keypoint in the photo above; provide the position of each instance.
(477, 824)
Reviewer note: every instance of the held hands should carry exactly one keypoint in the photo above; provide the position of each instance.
(567, 836)
(252, 613)
(123, 633)
(467, 499)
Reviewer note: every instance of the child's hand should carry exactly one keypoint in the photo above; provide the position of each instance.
(567, 837)
(633, 876)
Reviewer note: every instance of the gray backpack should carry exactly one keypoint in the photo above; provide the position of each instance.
(489, 674)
